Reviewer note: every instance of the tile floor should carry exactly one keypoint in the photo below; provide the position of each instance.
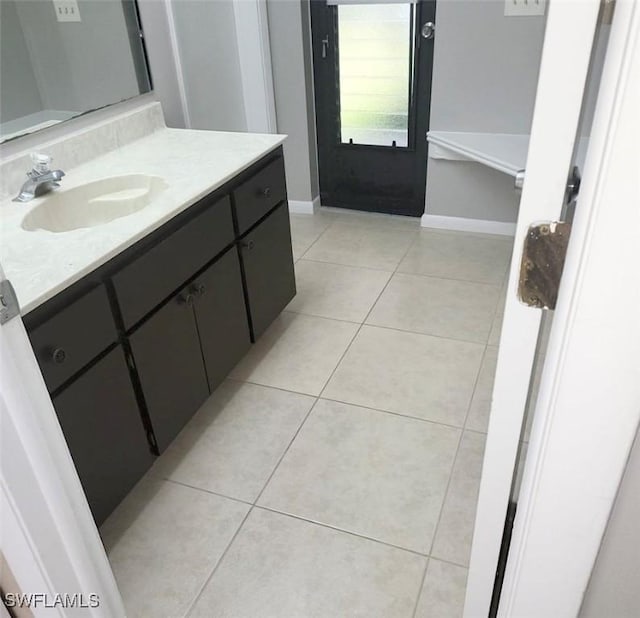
(336, 471)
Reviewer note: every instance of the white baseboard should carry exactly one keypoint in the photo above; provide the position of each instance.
(299, 207)
(462, 224)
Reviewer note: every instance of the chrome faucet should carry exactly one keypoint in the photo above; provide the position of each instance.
(41, 178)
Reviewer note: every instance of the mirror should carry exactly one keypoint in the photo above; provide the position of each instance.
(62, 58)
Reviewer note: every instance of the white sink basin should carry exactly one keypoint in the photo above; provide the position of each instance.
(94, 203)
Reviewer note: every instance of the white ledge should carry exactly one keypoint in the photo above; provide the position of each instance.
(504, 152)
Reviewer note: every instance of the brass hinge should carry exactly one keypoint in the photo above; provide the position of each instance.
(545, 248)
(9, 307)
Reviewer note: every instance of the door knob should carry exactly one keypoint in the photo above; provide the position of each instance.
(59, 356)
(428, 30)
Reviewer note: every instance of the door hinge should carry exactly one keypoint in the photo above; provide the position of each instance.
(545, 248)
(9, 307)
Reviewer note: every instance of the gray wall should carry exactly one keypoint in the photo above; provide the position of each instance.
(291, 63)
(20, 95)
(79, 66)
(484, 80)
(614, 588)
(206, 34)
(153, 15)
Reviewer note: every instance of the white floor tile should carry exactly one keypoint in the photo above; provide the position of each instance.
(457, 255)
(372, 473)
(306, 229)
(480, 409)
(445, 307)
(335, 291)
(235, 440)
(443, 591)
(356, 245)
(281, 567)
(297, 353)
(427, 377)
(163, 542)
(455, 530)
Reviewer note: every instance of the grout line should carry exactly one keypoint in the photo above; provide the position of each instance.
(343, 530)
(366, 317)
(455, 459)
(419, 595)
(353, 266)
(207, 491)
(197, 596)
(284, 454)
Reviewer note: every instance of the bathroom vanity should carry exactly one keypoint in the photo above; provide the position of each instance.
(131, 344)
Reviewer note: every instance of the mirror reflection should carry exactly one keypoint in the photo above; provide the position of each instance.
(63, 58)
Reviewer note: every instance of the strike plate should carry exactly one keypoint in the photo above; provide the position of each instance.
(545, 248)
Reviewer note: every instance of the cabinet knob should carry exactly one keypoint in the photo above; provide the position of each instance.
(59, 356)
(198, 289)
(247, 244)
(186, 299)
(266, 192)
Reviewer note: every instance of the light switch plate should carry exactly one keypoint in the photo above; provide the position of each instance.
(67, 10)
(519, 8)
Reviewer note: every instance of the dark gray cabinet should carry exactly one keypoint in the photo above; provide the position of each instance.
(268, 268)
(132, 351)
(221, 317)
(166, 351)
(100, 420)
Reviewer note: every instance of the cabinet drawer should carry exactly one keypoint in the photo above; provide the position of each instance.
(148, 280)
(257, 196)
(268, 268)
(71, 338)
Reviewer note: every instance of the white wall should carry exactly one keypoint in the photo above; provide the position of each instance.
(208, 55)
(613, 589)
(484, 80)
(291, 61)
(79, 66)
(20, 95)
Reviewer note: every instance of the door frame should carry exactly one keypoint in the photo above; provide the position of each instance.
(589, 399)
(576, 456)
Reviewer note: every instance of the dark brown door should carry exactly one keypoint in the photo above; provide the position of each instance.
(268, 267)
(101, 422)
(221, 317)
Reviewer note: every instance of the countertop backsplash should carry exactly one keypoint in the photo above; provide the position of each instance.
(80, 146)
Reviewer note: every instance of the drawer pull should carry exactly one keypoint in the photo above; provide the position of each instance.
(187, 299)
(266, 192)
(59, 356)
(198, 289)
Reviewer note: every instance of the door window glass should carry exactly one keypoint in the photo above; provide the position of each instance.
(374, 43)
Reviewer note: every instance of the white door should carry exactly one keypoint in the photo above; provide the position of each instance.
(569, 37)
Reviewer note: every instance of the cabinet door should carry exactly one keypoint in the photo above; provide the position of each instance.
(168, 359)
(222, 317)
(268, 267)
(101, 422)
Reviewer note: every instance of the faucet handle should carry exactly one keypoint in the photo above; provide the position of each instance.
(40, 162)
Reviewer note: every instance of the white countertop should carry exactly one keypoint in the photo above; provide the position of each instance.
(40, 264)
